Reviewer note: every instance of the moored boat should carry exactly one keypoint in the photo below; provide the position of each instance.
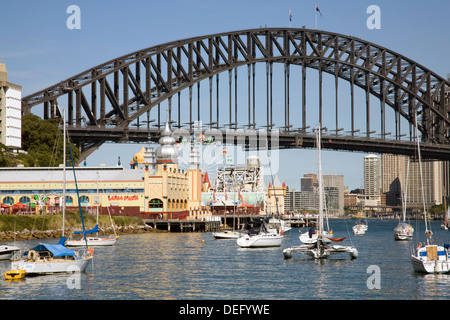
(48, 258)
(6, 252)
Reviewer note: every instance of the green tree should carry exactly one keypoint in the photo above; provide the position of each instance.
(43, 142)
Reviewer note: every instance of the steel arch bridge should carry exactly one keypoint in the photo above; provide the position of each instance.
(106, 102)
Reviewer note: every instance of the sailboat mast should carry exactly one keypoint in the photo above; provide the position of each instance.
(421, 182)
(320, 181)
(64, 172)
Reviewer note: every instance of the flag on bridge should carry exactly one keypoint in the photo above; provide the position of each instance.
(318, 10)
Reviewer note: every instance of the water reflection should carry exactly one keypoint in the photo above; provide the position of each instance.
(196, 266)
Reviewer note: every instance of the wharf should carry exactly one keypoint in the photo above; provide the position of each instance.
(218, 222)
(181, 225)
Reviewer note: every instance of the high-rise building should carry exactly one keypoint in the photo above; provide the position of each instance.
(398, 176)
(372, 181)
(10, 111)
(334, 190)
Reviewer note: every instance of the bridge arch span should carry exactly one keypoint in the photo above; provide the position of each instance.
(104, 101)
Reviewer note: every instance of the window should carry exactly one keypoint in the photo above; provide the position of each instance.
(84, 200)
(69, 201)
(155, 203)
(8, 200)
(24, 200)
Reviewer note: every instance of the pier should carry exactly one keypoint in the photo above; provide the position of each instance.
(219, 222)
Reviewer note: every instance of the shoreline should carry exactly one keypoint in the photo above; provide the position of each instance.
(6, 236)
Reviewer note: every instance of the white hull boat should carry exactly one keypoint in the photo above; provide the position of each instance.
(227, 234)
(91, 241)
(48, 258)
(278, 225)
(263, 239)
(6, 252)
(311, 238)
(320, 252)
(431, 259)
(320, 248)
(403, 231)
(359, 229)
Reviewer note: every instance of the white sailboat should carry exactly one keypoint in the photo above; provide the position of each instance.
(93, 240)
(404, 231)
(48, 258)
(446, 219)
(259, 236)
(320, 249)
(429, 258)
(360, 227)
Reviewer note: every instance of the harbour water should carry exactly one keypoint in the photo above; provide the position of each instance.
(195, 266)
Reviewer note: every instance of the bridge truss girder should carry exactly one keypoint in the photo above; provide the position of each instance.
(106, 99)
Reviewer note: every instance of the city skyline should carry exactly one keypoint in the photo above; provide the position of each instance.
(39, 50)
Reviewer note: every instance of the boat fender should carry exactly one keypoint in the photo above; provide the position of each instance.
(91, 251)
(32, 255)
(419, 245)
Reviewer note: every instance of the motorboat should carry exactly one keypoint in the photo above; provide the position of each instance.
(260, 240)
(6, 252)
(259, 235)
(227, 234)
(48, 258)
(278, 225)
(321, 248)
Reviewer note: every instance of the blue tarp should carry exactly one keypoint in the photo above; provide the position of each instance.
(94, 230)
(57, 250)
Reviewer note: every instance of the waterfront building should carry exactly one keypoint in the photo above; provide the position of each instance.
(10, 111)
(168, 189)
(40, 190)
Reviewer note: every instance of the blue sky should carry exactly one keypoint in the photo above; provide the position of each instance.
(39, 50)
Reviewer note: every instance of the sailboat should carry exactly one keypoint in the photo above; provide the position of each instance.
(429, 258)
(446, 219)
(360, 227)
(404, 231)
(48, 258)
(93, 240)
(320, 249)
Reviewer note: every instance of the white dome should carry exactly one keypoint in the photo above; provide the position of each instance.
(167, 150)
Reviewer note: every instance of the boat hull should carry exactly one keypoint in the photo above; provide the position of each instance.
(431, 259)
(359, 229)
(260, 241)
(227, 235)
(7, 251)
(42, 267)
(91, 241)
(321, 253)
(403, 232)
(306, 239)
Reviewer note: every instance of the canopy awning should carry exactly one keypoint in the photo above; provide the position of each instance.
(94, 230)
(57, 250)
